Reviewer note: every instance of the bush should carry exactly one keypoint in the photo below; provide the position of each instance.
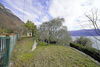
(94, 53)
(84, 41)
(40, 43)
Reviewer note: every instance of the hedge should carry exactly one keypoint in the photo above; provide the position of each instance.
(94, 53)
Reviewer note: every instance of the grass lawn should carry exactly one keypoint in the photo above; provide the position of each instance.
(48, 56)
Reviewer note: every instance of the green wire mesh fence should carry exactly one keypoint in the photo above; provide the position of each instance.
(6, 47)
(4, 51)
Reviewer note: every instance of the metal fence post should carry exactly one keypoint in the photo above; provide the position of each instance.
(8, 50)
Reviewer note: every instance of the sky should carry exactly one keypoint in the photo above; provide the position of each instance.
(40, 11)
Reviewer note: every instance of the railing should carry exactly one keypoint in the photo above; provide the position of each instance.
(6, 47)
(4, 51)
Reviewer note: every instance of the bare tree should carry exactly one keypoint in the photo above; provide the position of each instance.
(93, 18)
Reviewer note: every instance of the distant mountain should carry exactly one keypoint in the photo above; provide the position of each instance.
(88, 32)
(8, 20)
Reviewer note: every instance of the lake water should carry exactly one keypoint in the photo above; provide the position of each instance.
(96, 43)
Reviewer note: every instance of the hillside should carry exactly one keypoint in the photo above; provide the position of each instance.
(88, 32)
(48, 56)
(8, 20)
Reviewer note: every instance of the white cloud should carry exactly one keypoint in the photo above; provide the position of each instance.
(71, 10)
(29, 12)
(20, 7)
(45, 18)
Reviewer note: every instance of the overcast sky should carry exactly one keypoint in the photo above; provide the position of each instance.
(40, 11)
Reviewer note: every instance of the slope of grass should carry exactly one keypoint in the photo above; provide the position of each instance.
(22, 47)
(48, 56)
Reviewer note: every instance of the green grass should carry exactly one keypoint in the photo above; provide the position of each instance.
(48, 56)
(22, 47)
